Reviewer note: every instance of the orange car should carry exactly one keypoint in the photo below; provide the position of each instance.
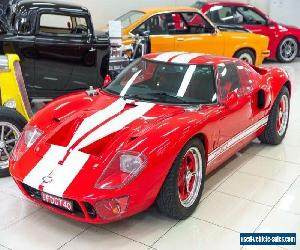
(187, 29)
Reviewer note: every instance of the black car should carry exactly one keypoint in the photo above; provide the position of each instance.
(58, 47)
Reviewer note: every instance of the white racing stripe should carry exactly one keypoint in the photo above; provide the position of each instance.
(165, 57)
(234, 140)
(186, 58)
(116, 124)
(63, 175)
(97, 118)
(129, 83)
(186, 80)
(45, 166)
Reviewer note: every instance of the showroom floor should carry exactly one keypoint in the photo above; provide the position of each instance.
(257, 191)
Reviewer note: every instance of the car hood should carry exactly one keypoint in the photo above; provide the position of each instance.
(77, 146)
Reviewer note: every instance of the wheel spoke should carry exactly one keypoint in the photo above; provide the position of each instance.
(9, 133)
(6, 152)
(11, 141)
(2, 133)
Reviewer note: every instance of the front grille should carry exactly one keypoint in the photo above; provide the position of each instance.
(90, 209)
(36, 195)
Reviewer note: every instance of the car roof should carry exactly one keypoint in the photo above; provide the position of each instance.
(57, 5)
(227, 4)
(189, 58)
(150, 11)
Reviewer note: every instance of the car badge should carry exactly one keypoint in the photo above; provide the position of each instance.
(47, 179)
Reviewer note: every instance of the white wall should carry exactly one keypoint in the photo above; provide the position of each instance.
(285, 11)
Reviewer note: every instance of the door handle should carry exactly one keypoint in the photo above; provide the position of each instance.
(180, 39)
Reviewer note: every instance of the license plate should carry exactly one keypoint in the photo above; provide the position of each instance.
(57, 201)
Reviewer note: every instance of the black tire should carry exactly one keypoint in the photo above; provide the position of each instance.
(243, 54)
(168, 200)
(271, 135)
(281, 57)
(12, 117)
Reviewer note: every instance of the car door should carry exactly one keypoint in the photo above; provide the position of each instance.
(157, 26)
(195, 34)
(236, 107)
(60, 53)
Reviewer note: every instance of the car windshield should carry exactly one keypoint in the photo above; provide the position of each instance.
(166, 83)
(130, 18)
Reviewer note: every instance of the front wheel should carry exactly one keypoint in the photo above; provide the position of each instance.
(287, 50)
(246, 55)
(182, 189)
(11, 125)
(278, 119)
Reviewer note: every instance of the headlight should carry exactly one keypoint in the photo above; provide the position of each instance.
(123, 168)
(27, 139)
(11, 103)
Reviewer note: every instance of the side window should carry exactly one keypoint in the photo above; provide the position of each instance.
(156, 25)
(222, 15)
(245, 76)
(229, 79)
(57, 24)
(23, 26)
(250, 16)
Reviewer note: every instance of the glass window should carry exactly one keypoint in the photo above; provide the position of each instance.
(246, 76)
(196, 24)
(156, 25)
(52, 23)
(130, 18)
(229, 79)
(166, 82)
(250, 16)
(63, 24)
(224, 15)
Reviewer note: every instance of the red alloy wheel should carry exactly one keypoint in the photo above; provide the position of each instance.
(282, 117)
(189, 177)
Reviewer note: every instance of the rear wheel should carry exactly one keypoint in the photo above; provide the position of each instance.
(287, 50)
(11, 125)
(182, 189)
(278, 119)
(246, 55)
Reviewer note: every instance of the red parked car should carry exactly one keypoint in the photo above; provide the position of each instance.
(284, 39)
(151, 135)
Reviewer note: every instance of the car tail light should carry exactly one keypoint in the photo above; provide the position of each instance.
(123, 168)
(113, 208)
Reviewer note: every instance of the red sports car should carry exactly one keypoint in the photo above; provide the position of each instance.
(284, 39)
(149, 136)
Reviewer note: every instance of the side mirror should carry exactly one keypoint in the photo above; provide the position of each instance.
(231, 100)
(270, 23)
(107, 81)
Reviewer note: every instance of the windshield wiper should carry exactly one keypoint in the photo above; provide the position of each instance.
(164, 94)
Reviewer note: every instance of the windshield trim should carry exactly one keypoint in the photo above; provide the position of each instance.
(215, 81)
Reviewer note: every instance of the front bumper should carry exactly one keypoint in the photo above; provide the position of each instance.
(83, 211)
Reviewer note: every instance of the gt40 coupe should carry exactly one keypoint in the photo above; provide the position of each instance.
(150, 136)
(187, 29)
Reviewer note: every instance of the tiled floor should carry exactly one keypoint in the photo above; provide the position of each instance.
(256, 191)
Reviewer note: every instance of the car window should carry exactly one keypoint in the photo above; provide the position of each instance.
(246, 76)
(166, 82)
(53, 23)
(250, 16)
(224, 15)
(156, 25)
(130, 18)
(229, 79)
(63, 24)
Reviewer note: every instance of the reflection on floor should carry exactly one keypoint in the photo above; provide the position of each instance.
(256, 191)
